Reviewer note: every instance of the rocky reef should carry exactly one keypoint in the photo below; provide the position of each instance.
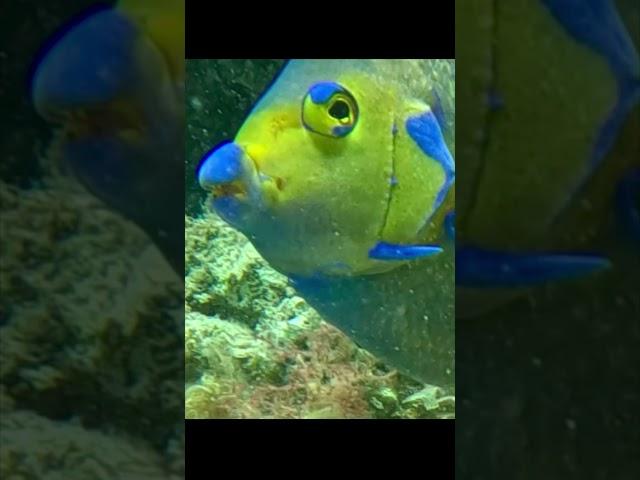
(254, 349)
(91, 329)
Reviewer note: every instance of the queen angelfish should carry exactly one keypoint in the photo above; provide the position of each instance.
(342, 178)
(113, 80)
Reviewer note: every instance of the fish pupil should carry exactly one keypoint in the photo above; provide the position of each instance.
(339, 110)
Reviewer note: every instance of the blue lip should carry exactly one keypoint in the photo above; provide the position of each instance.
(221, 165)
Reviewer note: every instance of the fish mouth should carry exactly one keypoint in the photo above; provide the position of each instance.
(233, 189)
(228, 171)
(115, 120)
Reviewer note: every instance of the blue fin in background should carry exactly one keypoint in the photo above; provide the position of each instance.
(390, 251)
(597, 25)
(476, 267)
(425, 131)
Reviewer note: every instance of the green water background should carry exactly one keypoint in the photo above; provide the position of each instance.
(220, 94)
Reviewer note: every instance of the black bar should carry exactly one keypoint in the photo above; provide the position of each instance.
(324, 31)
(426, 445)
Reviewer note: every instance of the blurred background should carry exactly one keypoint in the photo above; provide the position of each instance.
(91, 342)
(91, 312)
(548, 375)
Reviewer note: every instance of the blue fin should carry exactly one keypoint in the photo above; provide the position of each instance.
(477, 267)
(425, 131)
(628, 203)
(628, 97)
(450, 225)
(390, 251)
(596, 24)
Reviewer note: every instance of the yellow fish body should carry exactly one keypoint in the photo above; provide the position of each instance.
(342, 177)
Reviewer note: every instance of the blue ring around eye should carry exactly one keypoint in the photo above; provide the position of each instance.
(320, 93)
(336, 132)
(341, 130)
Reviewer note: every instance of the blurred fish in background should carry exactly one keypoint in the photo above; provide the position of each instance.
(91, 355)
(114, 81)
(356, 217)
(548, 253)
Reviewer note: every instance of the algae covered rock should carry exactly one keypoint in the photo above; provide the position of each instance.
(91, 321)
(255, 349)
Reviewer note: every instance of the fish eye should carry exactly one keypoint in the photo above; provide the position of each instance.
(339, 110)
(329, 109)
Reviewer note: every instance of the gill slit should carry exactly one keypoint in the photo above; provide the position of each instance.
(392, 184)
(489, 117)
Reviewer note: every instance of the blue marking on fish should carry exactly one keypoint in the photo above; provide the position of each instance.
(425, 131)
(596, 24)
(55, 39)
(390, 251)
(321, 92)
(341, 131)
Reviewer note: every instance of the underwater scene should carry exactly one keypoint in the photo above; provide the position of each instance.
(319, 270)
(316, 247)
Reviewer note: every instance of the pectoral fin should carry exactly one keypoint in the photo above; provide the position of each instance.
(390, 251)
(479, 268)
